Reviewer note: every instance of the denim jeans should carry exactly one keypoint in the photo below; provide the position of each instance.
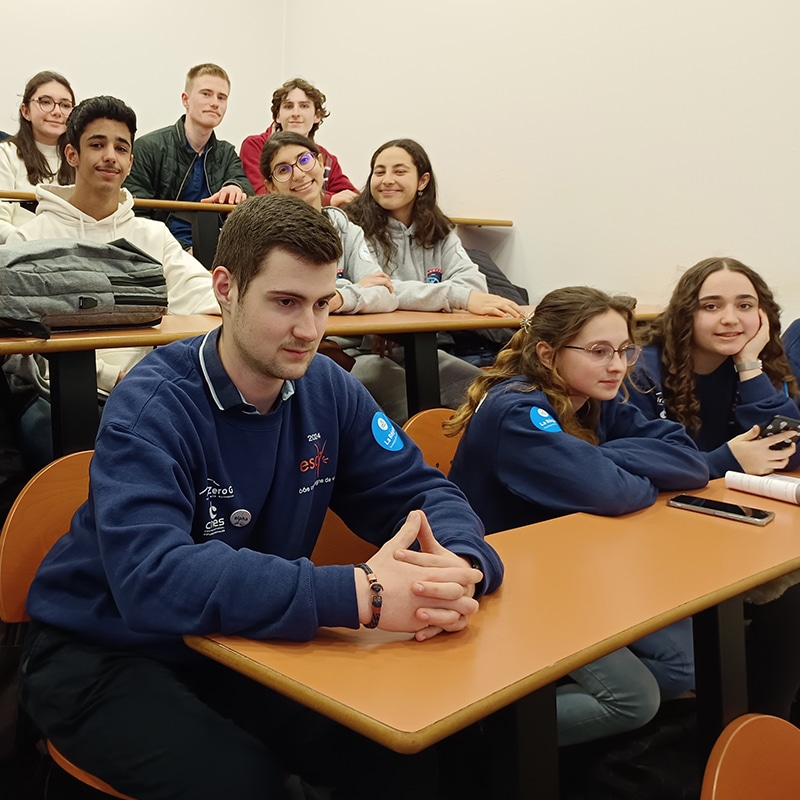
(622, 691)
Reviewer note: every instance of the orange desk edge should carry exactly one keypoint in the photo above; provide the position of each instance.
(576, 588)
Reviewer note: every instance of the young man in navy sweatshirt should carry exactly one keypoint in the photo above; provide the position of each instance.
(215, 463)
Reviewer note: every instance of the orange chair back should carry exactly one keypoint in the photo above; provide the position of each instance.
(39, 517)
(756, 756)
(337, 544)
(425, 428)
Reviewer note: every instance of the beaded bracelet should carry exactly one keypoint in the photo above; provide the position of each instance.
(377, 600)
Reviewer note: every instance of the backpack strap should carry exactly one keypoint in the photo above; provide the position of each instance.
(23, 327)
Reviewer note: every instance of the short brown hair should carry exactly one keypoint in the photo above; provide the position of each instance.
(311, 92)
(270, 222)
(205, 69)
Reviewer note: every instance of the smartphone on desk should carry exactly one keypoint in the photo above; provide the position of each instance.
(753, 516)
(779, 424)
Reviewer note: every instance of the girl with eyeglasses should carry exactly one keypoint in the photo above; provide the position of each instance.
(714, 362)
(35, 154)
(547, 433)
(417, 247)
(293, 165)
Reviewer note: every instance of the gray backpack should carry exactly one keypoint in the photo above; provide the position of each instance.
(69, 284)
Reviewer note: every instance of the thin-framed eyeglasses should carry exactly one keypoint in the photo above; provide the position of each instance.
(47, 104)
(603, 354)
(283, 172)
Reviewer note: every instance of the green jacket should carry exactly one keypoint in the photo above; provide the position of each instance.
(162, 163)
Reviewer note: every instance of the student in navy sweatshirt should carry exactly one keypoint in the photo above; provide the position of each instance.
(714, 362)
(545, 434)
(216, 461)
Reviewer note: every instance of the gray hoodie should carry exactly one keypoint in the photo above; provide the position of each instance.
(437, 278)
(356, 263)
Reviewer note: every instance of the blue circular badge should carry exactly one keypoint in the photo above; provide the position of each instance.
(543, 420)
(384, 433)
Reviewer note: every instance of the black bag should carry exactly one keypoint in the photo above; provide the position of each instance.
(487, 342)
(70, 284)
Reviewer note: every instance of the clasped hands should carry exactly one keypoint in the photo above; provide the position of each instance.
(425, 592)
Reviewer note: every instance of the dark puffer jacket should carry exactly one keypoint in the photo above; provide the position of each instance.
(162, 164)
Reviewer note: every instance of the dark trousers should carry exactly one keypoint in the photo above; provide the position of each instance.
(158, 731)
(773, 653)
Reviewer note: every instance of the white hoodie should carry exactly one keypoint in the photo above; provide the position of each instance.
(14, 178)
(189, 289)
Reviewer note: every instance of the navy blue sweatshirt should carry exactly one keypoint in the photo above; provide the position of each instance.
(517, 466)
(728, 406)
(202, 513)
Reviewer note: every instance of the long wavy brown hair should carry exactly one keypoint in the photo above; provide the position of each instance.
(673, 331)
(557, 321)
(430, 223)
(35, 163)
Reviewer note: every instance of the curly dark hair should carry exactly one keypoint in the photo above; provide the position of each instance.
(557, 320)
(430, 224)
(311, 92)
(35, 163)
(673, 331)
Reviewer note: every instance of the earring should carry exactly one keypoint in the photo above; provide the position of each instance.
(419, 193)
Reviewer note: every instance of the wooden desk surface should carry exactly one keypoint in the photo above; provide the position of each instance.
(169, 330)
(576, 588)
(225, 208)
(646, 312)
(174, 327)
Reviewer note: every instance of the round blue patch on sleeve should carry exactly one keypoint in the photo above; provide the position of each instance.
(543, 420)
(384, 433)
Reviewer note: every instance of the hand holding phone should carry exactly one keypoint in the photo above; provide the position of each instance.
(779, 424)
(753, 516)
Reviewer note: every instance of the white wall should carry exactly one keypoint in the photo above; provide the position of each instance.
(627, 139)
(140, 52)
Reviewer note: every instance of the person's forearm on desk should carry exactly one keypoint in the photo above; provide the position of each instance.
(425, 592)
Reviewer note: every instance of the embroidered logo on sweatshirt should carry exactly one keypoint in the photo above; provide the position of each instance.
(384, 433)
(214, 492)
(542, 420)
(433, 275)
(316, 461)
(313, 466)
(214, 489)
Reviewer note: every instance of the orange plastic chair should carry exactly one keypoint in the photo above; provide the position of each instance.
(425, 428)
(337, 544)
(40, 515)
(757, 757)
